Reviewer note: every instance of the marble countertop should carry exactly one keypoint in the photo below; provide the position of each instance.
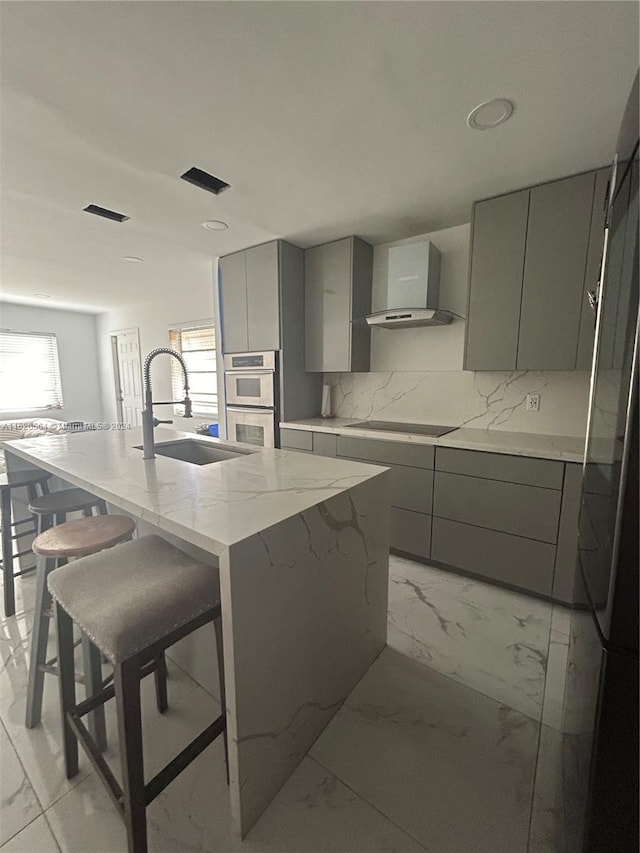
(211, 506)
(566, 448)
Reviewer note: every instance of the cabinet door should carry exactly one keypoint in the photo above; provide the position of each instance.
(263, 297)
(495, 282)
(586, 335)
(233, 298)
(328, 307)
(554, 269)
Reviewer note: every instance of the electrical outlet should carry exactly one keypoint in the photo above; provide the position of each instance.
(533, 402)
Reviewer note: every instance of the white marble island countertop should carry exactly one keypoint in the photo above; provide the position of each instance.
(211, 506)
(302, 546)
(566, 448)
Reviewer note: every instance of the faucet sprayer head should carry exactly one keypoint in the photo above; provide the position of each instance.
(187, 407)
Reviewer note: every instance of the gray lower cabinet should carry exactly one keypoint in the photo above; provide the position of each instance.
(565, 587)
(319, 443)
(507, 518)
(534, 254)
(513, 560)
(411, 467)
(386, 452)
(296, 439)
(325, 444)
(504, 518)
(410, 532)
(508, 507)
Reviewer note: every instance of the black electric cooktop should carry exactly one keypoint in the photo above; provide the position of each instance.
(416, 429)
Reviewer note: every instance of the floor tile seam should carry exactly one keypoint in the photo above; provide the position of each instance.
(72, 783)
(188, 674)
(364, 799)
(539, 738)
(52, 831)
(469, 687)
(22, 829)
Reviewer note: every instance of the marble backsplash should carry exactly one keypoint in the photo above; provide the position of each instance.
(494, 401)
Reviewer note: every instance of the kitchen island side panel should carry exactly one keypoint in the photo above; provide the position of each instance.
(304, 607)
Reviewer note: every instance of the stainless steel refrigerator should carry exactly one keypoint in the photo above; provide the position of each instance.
(609, 518)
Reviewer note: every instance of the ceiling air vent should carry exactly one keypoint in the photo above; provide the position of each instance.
(204, 180)
(107, 214)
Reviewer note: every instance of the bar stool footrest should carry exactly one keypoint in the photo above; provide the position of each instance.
(95, 757)
(168, 773)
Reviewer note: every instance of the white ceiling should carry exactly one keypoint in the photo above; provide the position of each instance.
(327, 118)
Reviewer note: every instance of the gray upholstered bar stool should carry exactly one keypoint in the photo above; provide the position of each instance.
(32, 480)
(73, 539)
(157, 595)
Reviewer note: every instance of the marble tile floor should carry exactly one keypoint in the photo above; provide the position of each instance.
(438, 757)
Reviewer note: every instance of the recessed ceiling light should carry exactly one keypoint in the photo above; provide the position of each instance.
(42, 295)
(215, 225)
(490, 114)
(131, 260)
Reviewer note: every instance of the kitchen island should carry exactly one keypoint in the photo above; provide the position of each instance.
(302, 549)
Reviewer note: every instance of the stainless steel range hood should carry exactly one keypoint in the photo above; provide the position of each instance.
(413, 279)
(409, 318)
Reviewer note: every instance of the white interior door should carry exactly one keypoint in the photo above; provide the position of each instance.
(128, 376)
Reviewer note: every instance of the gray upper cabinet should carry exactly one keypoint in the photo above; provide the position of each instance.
(533, 256)
(263, 302)
(233, 300)
(497, 261)
(337, 297)
(586, 335)
(250, 299)
(554, 272)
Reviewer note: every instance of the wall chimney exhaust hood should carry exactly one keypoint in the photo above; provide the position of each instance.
(413, 280)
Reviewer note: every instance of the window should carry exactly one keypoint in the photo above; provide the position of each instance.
(197, 344)
(29, 372)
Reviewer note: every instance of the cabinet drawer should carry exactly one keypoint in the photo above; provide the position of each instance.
(324, 444)
(411, 488)
(520, 562)
(386, 452)
(507, 507)
(500, 466)
(296, 439)
(410, 532)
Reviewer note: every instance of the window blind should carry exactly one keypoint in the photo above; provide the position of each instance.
(29, 372)
(198, 348)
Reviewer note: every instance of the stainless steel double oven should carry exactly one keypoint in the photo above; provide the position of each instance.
(251, 394)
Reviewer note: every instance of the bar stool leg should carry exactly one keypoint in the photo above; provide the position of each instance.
(160, 676)
(102, 508)
(67, 688)
(39, 638)
(92, 665)
(217, 624)
(127, 689)
(7, 554)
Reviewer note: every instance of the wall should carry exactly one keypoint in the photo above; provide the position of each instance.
(193, 300)
(417, 375)
(77, 352)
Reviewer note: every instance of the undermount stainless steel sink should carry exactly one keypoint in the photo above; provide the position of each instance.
(196, 452)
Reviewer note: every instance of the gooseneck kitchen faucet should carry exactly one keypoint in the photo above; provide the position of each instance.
(148, 420)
